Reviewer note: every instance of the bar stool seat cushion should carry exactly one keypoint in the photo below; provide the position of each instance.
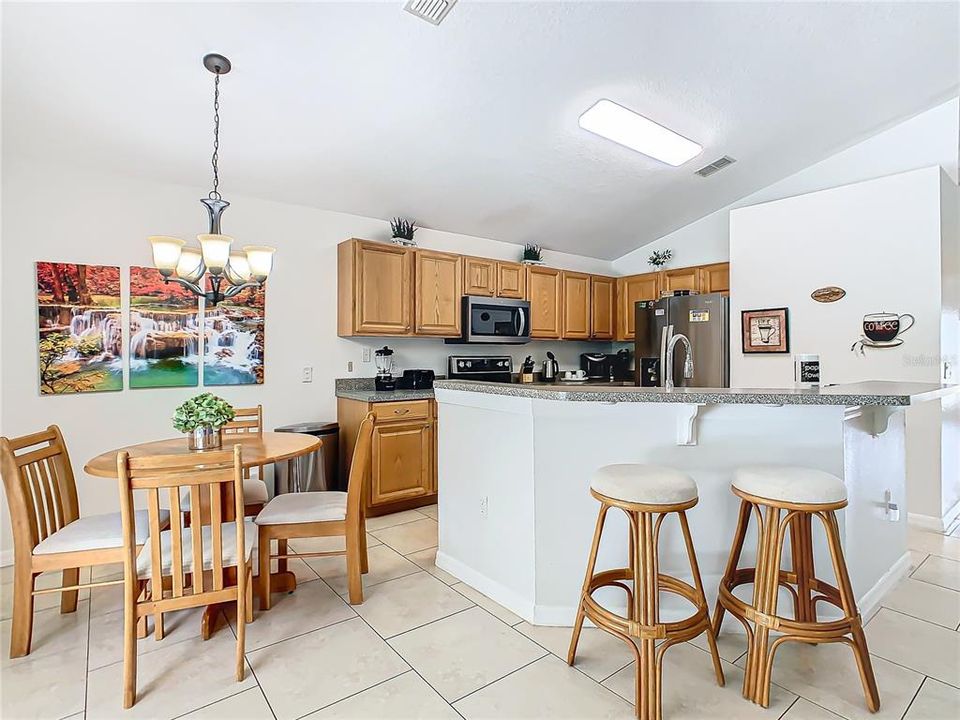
(644, 484)
(304, 507)
(798, 485)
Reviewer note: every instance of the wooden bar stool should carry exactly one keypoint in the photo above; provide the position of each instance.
(646, 494)
(800, 493)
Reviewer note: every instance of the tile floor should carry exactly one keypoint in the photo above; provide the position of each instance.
(424, 645)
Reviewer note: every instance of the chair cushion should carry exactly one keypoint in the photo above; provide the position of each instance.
(644, 484)
(790, 484)
(291, 508)
(254, 491)
(95, 532)
(228, 547)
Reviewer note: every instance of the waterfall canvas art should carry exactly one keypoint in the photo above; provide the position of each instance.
(164, 332)
(80, 340)
(233, 340)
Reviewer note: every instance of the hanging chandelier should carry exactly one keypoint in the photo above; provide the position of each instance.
(187, 265)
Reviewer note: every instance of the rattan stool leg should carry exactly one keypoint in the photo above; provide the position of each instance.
(591, 564)
(698, 584)
(736, 549)
(801, 551)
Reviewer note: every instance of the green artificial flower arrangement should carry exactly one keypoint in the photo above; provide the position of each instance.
(203, 411)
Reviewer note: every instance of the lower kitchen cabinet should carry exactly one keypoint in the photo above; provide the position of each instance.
(403, 469)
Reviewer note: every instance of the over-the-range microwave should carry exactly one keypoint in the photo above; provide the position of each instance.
(501, 321)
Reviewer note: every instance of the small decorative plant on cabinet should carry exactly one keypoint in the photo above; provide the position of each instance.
(201, 417)
(659, 258)
(403, 231)
(532, 255)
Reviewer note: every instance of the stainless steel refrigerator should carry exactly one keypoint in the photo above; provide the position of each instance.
(704, 319)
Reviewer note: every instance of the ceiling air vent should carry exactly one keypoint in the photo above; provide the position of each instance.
(715, 166)
(433, 11)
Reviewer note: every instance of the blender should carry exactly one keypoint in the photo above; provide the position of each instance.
(384, 379)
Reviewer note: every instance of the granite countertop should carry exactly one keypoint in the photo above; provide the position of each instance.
(364, 390)
(852, 394)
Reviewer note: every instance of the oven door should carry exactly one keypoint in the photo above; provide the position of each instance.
(496, 320)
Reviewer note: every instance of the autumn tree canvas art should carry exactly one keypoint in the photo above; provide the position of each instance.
(234, 341)
(79, 330)
(164, 332)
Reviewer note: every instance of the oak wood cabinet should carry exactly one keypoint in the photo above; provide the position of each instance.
(374, 290)
(545, 293)
(511, 280)
(403, 469)
(576, 305)
(630, 291)
(714, 278)
(480, 276)
(602, 307)
(680, 279)
(438, 289)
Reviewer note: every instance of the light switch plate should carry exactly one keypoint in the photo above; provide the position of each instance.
(307, 375)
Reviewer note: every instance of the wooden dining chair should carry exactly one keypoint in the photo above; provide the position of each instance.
(49, 535)
(321, 514)
(249, 420)
(201, 551)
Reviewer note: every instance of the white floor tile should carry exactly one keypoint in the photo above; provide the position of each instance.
(409, 537)
(545, 689)
(730, 645)
(384, 564)
(312, 671)
(464, 652)
(925, 601)
(427, 559)
(399, 518)
(487, 604)
(933, 543)
(806, 710)
(43, 582)
(325, 544)
(400, 605)
(599, 654)
(915, 644)
(247, 705)
(106, 635)
(431, 511)
(406, 697)
(935, 701)
(939, 571)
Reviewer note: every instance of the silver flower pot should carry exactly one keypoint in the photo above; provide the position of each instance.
(205, 438)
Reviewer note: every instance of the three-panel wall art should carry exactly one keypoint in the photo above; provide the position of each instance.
(174, 340)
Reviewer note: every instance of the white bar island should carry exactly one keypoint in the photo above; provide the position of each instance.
(515, 461)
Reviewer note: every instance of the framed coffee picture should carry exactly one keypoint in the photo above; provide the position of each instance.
(765, 331)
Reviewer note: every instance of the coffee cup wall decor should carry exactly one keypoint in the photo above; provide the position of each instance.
(883, 330)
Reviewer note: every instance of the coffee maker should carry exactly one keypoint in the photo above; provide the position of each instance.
(384, 360)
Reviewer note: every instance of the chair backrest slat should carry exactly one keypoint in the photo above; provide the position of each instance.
(156, 555)
(176, 541)
(51, 500)
(247, 421)
(360, 466)
(196, 537)
(216, 536)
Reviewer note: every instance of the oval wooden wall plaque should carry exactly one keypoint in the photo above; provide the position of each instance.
(828, 294)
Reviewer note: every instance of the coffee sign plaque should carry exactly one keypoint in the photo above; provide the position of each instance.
(883, 330)
(828, 294)
(765, 331)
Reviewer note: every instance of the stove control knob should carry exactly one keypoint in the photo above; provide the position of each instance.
(469, 364)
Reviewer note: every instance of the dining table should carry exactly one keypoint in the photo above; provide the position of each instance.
(257, 450)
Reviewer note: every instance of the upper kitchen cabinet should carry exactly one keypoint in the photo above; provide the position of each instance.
(714, 278)
(511, 280)
(438, 289)
(687, 278)
(602, 304)
(480, 276)
(576, 305)
(630, 291)
(545, 294)
(374, 289)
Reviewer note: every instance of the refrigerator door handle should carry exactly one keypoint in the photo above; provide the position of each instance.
(665, 336)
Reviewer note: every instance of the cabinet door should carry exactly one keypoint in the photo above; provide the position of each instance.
(402, 462)
(576, 306)
(511, 280)
(545, 295)
(715, 278)
(602, 290)
(382, 298)
(479, 277)
(680, 279)
(439, 287)
(630, 291)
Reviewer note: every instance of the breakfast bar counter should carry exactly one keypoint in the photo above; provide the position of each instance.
(515, 462)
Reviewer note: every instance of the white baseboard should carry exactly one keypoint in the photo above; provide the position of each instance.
(932, 523)
(493, 590)
(6, 557)
(870, 602)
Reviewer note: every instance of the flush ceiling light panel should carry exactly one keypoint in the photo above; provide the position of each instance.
(636, 132)
(433, 11)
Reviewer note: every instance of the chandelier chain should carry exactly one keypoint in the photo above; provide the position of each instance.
(215, 193)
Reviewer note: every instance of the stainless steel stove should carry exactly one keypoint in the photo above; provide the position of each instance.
(491, 368)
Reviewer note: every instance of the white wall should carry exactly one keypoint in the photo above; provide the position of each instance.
(71, 215)
(929, 138)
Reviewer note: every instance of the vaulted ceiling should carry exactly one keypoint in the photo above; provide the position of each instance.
(471, 126)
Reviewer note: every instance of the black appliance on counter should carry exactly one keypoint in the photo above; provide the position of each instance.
(492, 368)
(416, 380)
(606, 366)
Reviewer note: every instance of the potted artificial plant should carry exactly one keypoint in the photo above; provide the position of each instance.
(659, 258)
(201, 417)
(532, 255)
(403, 231)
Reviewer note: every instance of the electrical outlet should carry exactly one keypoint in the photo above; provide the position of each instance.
(306, 375)
(350, 366)
(484, 506)
(892, 509)
(366, 354)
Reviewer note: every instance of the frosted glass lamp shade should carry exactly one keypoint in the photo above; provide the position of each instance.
(261, 261)
(190, 267)
(166, 253)
(238, 269)
(216, 251)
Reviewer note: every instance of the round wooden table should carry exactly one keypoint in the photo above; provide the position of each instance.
(257, 449)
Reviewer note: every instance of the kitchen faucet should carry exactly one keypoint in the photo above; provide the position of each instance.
(687, 363)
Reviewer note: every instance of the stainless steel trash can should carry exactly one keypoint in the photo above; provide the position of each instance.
(316, 471)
